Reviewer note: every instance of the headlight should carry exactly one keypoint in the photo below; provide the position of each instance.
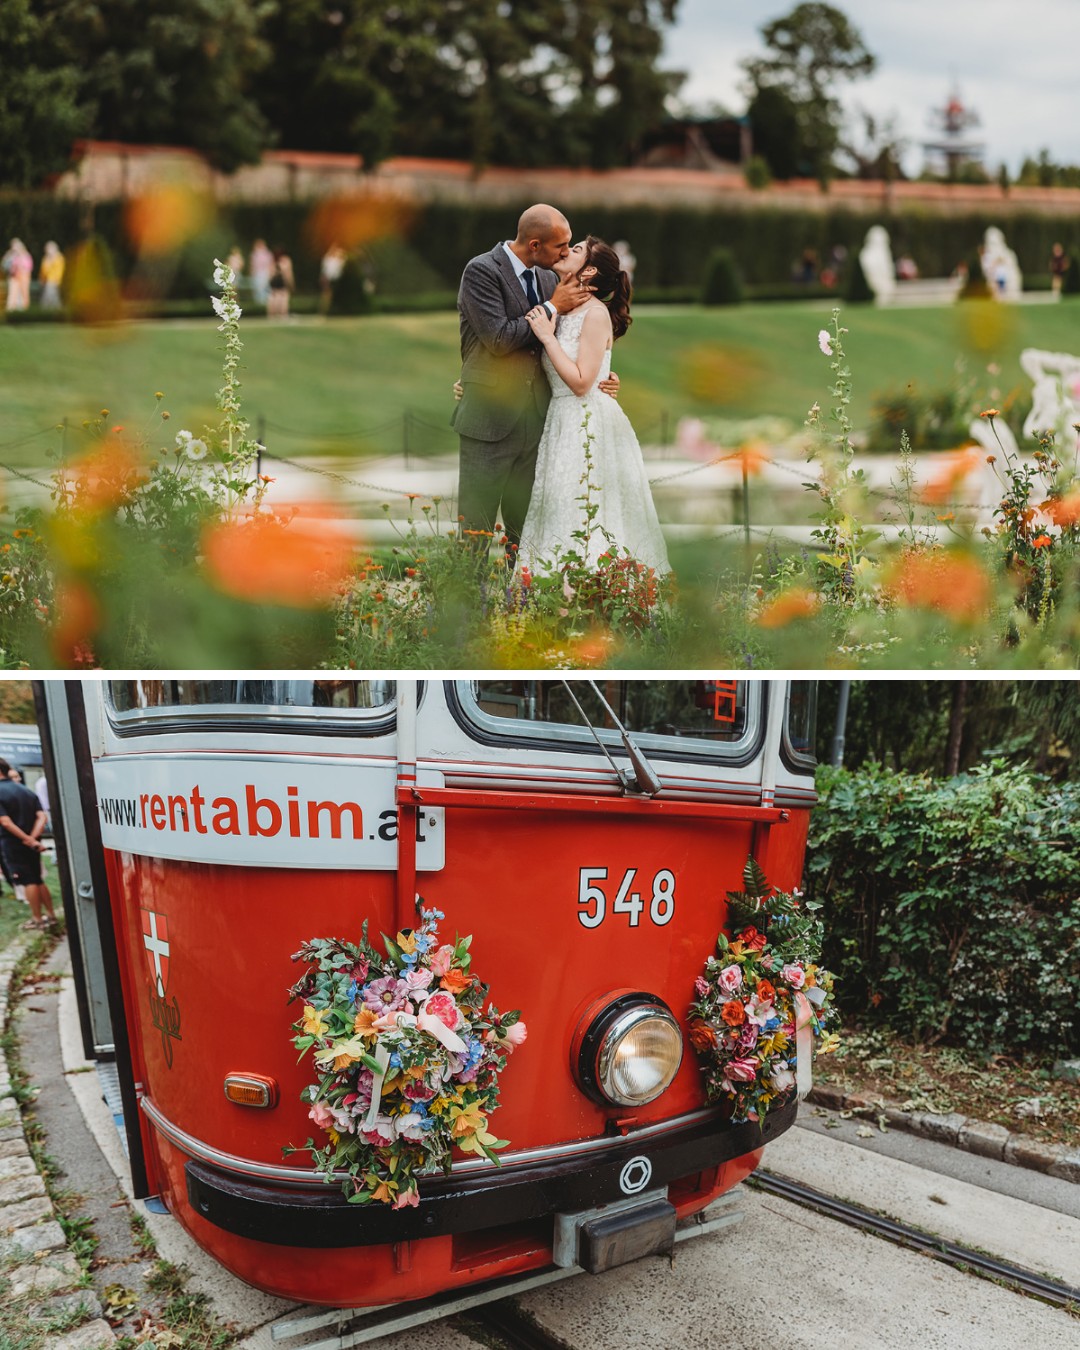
(630, 1051)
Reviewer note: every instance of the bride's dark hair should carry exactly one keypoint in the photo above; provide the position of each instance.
(611, 283)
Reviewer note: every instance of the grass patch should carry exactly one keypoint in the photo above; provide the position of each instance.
(349, 377)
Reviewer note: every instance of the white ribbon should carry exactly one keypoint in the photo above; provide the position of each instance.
(804, 1045)
(425, 1022)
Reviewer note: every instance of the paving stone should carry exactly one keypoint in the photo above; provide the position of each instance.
(983, 1138)
(8, 1123)
(55, 1272)
(945, 1128)
(865, 1103)
(1030, 1153)
(9, 1104)
(25, 1212)
(1067, 1166)
(897, 1117)
(21, 1188)
(39, 1237)
(89, 1337)
(67, 1305)
(16, 1167)
(14, 1148)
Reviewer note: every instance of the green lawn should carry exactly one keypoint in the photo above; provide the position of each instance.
(311, 380)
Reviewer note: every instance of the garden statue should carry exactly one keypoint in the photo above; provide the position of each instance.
(1000, 267)
(877, 264)
(1055, 393)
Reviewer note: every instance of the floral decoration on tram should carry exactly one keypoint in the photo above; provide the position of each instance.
(407, 1058)
(763, 991)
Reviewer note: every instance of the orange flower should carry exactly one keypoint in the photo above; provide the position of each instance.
(952, 583)
(1043, 541)
(456, 981)
(765, 990)
(796, 603)
(733, 1013)
(702, 1036)
(301, 564)
(166, 216)
(1064, 511)
(107, 474)
(954, 468)
(364, 1024)
(78, 617)
(991, 413)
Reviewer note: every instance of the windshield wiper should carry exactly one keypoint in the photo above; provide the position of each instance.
(644, 779)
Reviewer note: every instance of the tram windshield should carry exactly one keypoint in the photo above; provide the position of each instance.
(720, 712)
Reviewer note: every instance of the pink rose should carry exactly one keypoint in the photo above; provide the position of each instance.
(794, 975)
(409, 1197)
(441, 960)
(321, 1114)
(445, 1008)
(514, 1036)
(701, 986)
(730, 979)
(418, 979)
(381, 1134)
(742, 1070)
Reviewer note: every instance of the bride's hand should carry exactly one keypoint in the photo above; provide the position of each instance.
(541, 322)
(610, 386)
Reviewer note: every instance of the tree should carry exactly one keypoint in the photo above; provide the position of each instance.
(167, 71)
(774, 126)
(493, 81)
(808, 51)
(873, 147)
(41, 111)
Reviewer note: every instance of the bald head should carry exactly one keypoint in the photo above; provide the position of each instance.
(543, 236)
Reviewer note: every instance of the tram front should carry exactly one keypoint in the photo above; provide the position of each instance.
(584, 835)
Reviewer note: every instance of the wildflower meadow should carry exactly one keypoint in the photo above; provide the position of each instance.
(165, 545)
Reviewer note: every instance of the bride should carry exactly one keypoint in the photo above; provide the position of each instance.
(576, 357)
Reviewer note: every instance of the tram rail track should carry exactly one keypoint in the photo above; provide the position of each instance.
(952, 1253)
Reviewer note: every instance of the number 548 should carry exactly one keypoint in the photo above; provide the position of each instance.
(593, 898)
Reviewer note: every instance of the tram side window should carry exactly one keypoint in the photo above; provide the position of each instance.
(131, 696)
(710, 710)
(800, 724)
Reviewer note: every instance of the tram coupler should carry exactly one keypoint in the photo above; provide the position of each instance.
(611, 1235)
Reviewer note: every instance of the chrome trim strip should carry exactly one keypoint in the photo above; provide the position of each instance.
(296, 1176)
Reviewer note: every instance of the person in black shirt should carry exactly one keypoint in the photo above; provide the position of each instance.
(22, 821)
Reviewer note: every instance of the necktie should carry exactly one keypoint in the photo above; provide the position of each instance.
(530, 289)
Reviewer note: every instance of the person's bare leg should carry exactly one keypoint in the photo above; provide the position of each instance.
(40, 899)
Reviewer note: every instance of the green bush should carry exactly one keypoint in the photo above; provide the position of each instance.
(952, 907)
(1070, 282)
(723, 285)
(757, 173)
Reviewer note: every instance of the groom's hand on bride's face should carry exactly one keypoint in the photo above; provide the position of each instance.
(610, 385)
(569, 294)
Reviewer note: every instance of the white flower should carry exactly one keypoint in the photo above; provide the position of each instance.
(223, 273)
(824, 341)
(183, 439)
(228, 312)
(781, 1076)
(196, 449)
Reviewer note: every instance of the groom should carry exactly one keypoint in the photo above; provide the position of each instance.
(500, 416)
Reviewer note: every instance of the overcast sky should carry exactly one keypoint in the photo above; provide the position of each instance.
(1015, 62)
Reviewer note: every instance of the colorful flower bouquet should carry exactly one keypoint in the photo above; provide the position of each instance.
(407, 1055)
(757, 996)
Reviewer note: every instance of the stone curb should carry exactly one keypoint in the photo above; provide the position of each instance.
(973, 1136)
(42, 1270)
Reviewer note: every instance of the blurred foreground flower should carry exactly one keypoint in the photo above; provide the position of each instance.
(952, 583)
(107, 475)
(953, 468)
(77, 616)
(796, 603)
(303, 563)
(165, 217)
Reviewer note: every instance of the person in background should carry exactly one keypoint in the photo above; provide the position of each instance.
(260, 268)
(627, 261)
(22, 822)
(51, 275)
(1059, 265)
(18, 265)
(330, 270)
(282, 283)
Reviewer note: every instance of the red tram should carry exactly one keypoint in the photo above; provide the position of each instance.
(583, 833)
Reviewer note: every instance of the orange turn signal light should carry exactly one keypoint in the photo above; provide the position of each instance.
(251, 1089)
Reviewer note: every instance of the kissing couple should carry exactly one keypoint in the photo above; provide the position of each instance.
(539, 315)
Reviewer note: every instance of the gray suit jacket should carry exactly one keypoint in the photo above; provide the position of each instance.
(500, 356)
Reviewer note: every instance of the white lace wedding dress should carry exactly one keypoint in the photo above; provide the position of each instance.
(617, 473)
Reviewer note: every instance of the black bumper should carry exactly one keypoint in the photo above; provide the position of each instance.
(294, 1217)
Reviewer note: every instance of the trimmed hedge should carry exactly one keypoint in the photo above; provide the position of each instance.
(952, 907)
(672, 243)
